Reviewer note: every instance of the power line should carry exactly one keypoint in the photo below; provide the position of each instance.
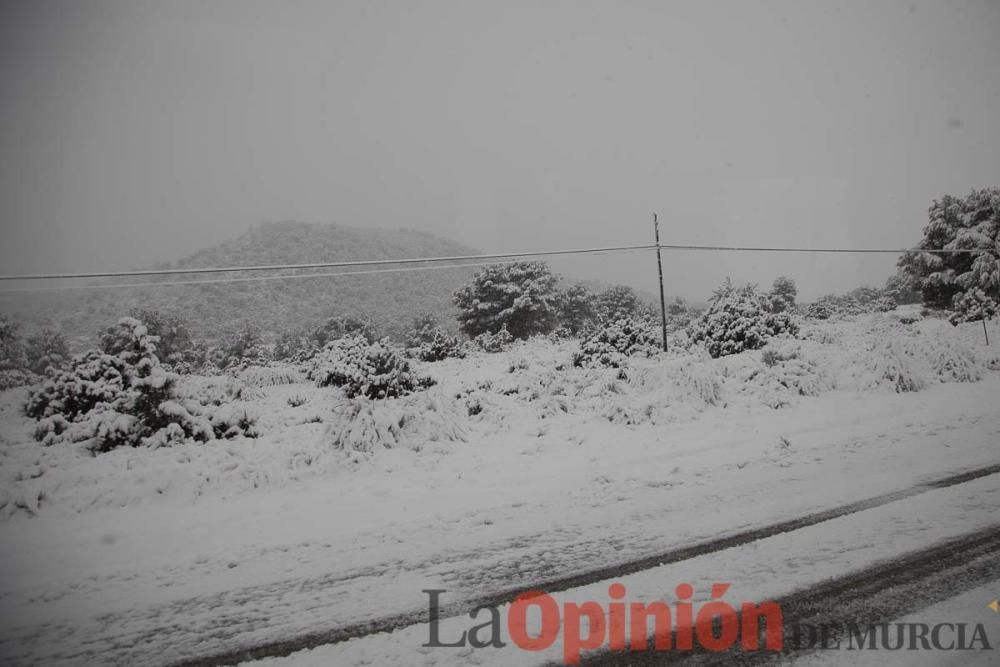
(884, 251)
(245, 279)
(322, 265)
(495, 256)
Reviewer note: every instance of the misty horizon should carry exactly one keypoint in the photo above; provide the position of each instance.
(141, 132)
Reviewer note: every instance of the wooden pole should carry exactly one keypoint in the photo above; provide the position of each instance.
(659, 268)
(985, 332)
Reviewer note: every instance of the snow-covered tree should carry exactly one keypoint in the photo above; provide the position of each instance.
(897, 289)
(967, 283)
(783, 293)
(865, 296)
(175, 345)
(739, 319)
(521, 296)
(680, 313)
(617, 303)
(577, 308)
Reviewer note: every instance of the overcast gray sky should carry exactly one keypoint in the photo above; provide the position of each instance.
(134, 131)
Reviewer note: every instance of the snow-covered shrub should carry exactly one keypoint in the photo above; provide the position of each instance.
(559, 334)
(441, 346)
(701, 379)
(13, 362)
(858, 301)
(953, 362)
(17, 377)
(739, 319)
(990, 359)
(106, 401)
(976, 304)
(296, 401)
(520, 295)
(771, 357)
(429, 342)
(611, 343)
(293, 346)
(242, 348)
(216, 390)
(175, 346)
(229, 422)
(344, 326)
(374, 370)
(893, 364)
(819, 310)
(45, 348)
(364, 425)
(796, 374)
(270, 376)
(520, 364)
(92, 379)
(883, 304)
(494, 342)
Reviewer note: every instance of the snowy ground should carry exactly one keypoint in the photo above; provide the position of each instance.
(764, 570)
(157, 555)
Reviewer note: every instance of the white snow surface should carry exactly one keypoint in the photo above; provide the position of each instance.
(152, 555)
(758, 571)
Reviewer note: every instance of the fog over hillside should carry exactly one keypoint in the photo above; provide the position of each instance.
(391, 299)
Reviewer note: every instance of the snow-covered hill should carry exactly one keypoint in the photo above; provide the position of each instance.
(393, 300)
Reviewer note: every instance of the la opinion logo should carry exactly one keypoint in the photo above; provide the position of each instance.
(715, 626)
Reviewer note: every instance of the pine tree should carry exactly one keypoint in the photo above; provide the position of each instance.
(967, 283)
(577, 308)
(783, 293)
(617, 303)
(521, 297)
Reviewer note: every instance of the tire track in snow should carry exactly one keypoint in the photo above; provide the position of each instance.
(290, 645)
(875, 595)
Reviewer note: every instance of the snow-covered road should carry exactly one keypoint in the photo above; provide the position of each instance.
(763, 570)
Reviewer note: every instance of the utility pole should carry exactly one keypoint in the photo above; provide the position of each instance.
(659, 268)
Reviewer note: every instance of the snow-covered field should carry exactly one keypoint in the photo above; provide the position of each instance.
(515, 467)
